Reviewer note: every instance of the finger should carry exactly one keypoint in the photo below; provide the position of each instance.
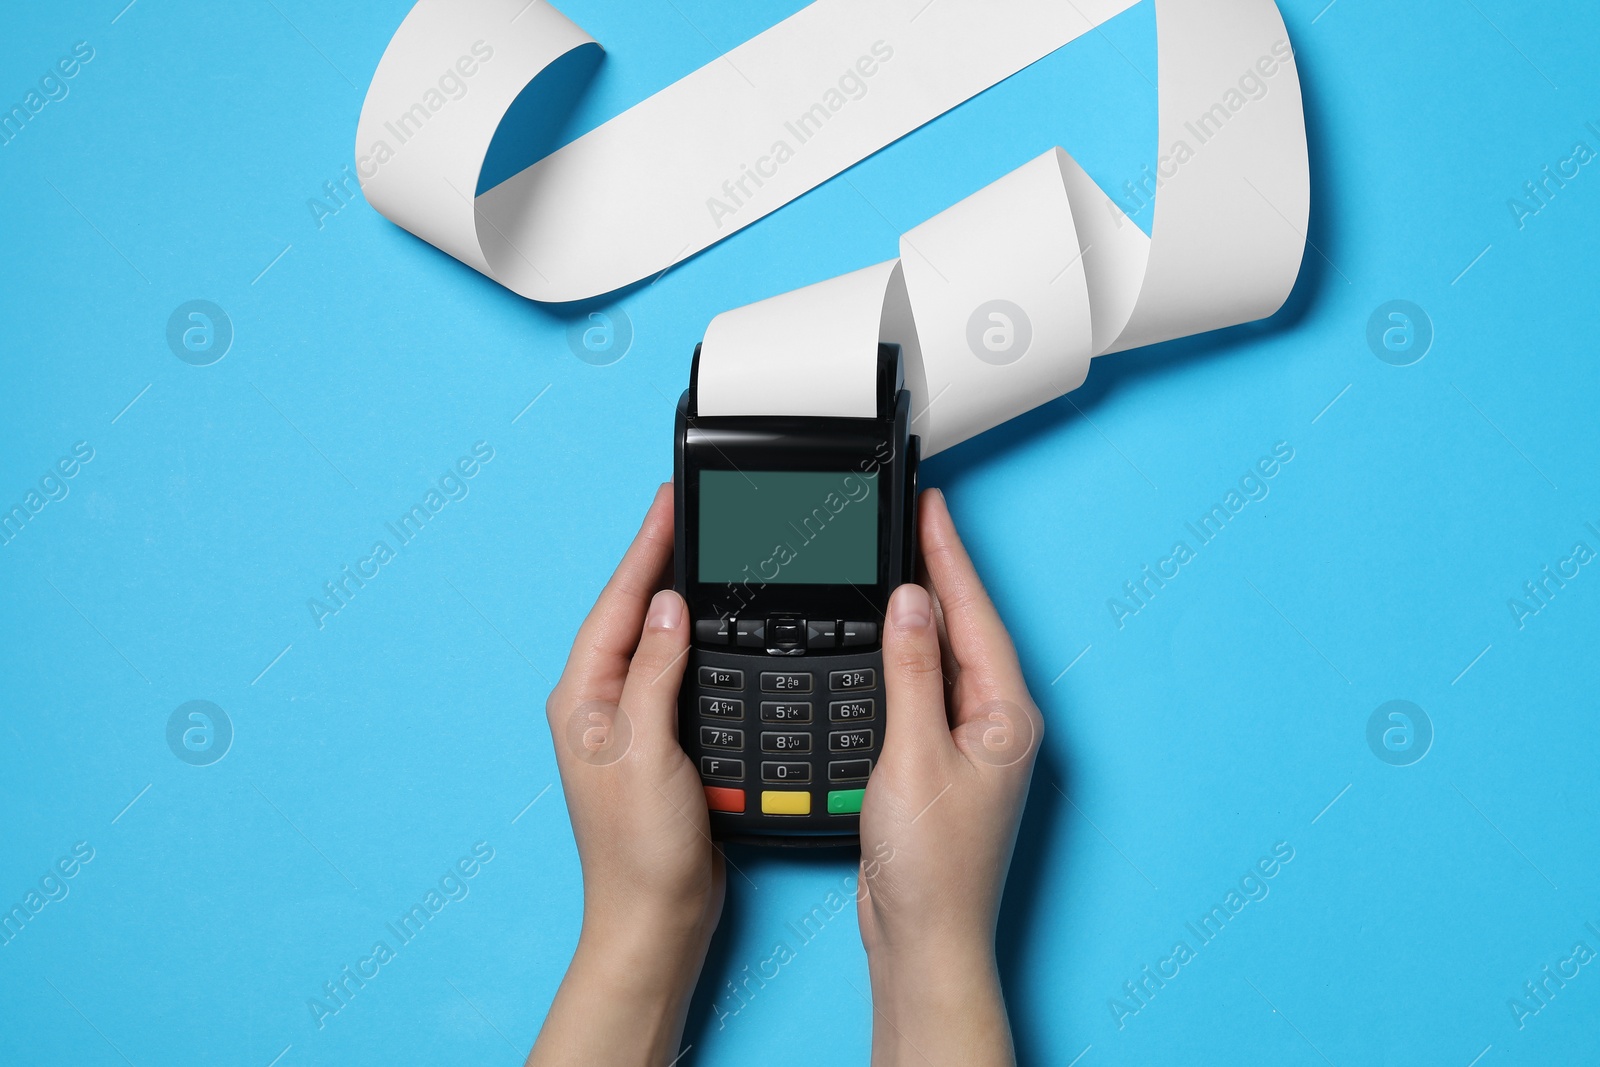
(913, 683)
(978, 640)
(951, 665)
(650, 694)
(598, 664)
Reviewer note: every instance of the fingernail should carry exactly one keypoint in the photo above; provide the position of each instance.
(909, 608)
(666, 611)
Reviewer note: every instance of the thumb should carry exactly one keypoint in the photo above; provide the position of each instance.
(650, 694)
(913, 677)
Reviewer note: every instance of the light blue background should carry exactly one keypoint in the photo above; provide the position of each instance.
(1222, 719)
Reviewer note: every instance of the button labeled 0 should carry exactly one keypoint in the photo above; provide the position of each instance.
(786, 772)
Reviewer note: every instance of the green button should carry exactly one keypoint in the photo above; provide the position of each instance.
(845, 801)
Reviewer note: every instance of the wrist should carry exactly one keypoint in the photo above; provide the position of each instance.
(626, 992)
(933, 941)
(945, 991)
(936, 967)
(656, 946)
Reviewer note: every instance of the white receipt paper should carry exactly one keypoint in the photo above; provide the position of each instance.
(999, 302)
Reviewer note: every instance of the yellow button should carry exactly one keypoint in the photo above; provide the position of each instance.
(785, 802)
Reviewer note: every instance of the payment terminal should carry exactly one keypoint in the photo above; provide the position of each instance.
(791, 532)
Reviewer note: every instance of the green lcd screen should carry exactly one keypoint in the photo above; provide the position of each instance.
(789, 527)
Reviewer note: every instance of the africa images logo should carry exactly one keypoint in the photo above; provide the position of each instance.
(1399, 733)
(1399, 333)
(199, 733)
(999, 332)
(199, 333)
(601, 338)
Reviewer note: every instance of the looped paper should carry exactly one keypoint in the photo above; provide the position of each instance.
(1000, 301)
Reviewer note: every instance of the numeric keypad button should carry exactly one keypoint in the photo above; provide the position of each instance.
(718, 737)
(785, 711)
(849, 681)
(785, 743)
(849, 740)
(850, 710)
(785, 682)
(722, 708)
(721, 678)
(786, 772)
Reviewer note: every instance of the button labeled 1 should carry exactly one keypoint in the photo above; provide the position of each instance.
(721, 678)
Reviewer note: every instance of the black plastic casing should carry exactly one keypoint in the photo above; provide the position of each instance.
(801, 443)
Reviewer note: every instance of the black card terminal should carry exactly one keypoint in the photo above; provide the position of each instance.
(791, 532)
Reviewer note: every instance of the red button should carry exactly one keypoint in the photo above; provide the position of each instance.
(720, 798)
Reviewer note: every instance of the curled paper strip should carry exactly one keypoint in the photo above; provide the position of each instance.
(1000, 301)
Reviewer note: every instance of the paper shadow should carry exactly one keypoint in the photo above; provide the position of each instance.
(541, 118)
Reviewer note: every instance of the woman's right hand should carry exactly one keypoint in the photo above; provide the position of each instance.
(940, 815)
